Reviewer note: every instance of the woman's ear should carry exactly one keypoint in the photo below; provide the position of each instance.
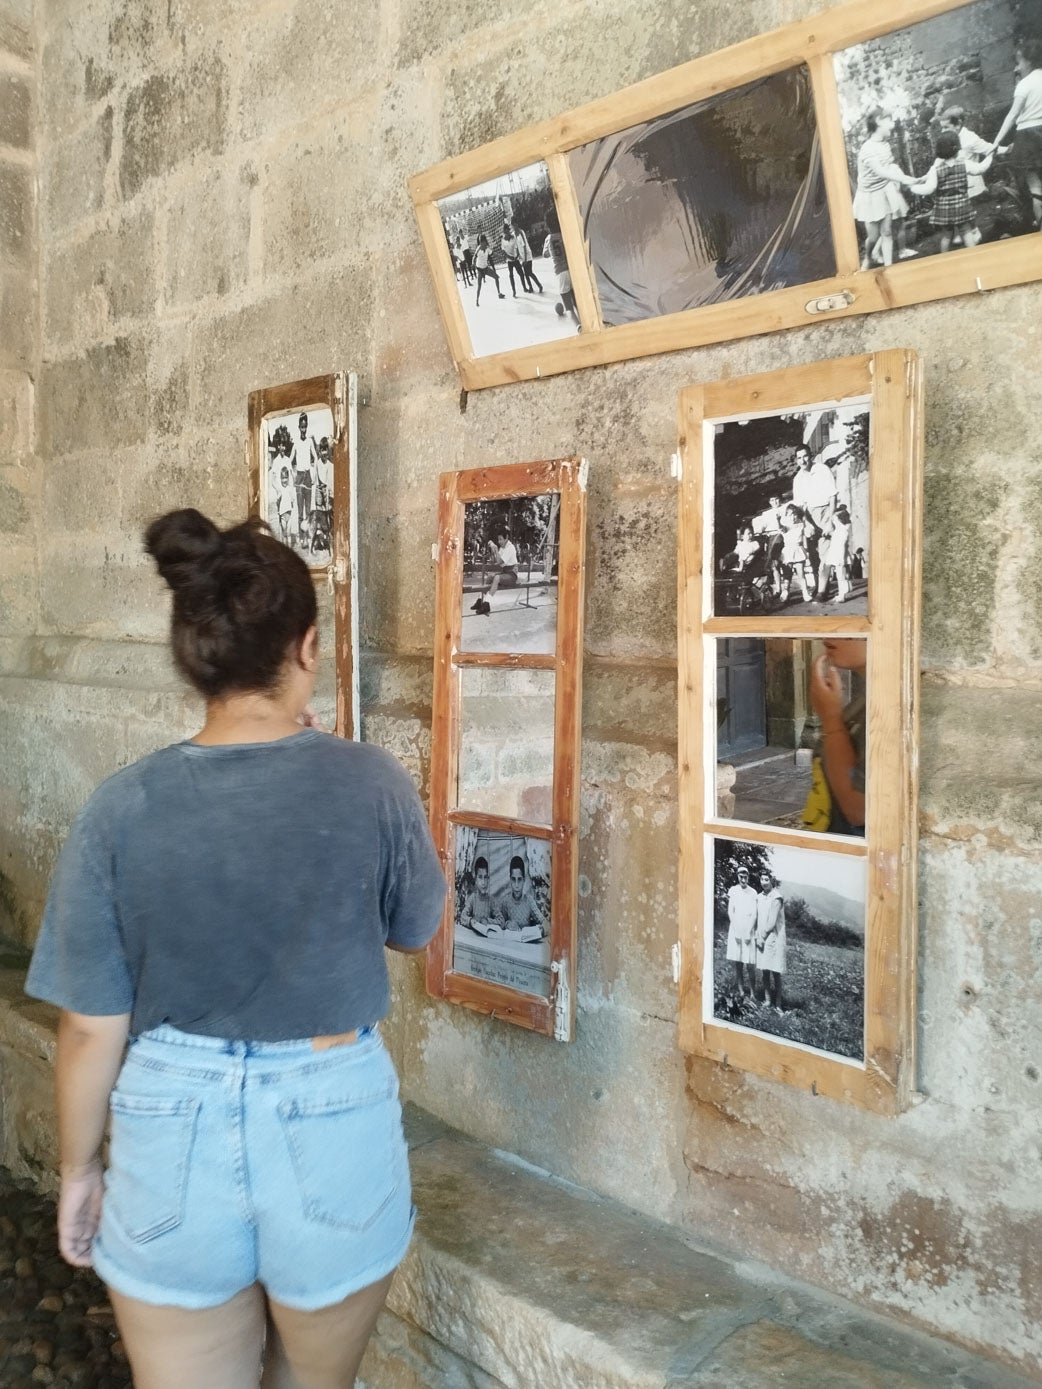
(308, 655)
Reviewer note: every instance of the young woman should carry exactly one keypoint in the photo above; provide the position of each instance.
(877, 199)
(1025, 114)
(224, 904)
(770, 940)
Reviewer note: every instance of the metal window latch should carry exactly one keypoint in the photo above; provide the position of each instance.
(829, 303)
(562, 1003)
(434, 553)
(676, 466)
(676, 961)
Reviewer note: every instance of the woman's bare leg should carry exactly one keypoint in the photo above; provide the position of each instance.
(323, 1349)
(212, 1348)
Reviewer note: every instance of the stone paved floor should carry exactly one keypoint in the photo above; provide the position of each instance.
(56, 1326)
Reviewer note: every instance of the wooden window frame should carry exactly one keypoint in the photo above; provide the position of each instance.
(338, 393)
(851, 291)
(553, 1016)
(893, 380)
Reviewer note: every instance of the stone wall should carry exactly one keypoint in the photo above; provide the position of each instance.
(19, 350)
(223, 206)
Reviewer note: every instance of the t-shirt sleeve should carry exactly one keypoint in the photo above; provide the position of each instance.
(79, 962)
(414, 894)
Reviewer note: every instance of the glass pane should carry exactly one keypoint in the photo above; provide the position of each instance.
(920, 108)
(773, 767)
(502, 909)
(296, 485)
(791, 511)
(506, 759)
(512, 274)
(787, 956)
(722, 199)
(510, 562)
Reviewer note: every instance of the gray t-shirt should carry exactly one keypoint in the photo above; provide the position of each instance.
(244, 891)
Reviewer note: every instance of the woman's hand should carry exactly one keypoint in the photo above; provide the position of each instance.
(79, 1213)
(826, 690)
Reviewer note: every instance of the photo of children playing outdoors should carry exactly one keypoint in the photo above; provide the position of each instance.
(786, 954)
(508, 257)
(510, 557)
(297, 481)
(791, 511)
(943, 128)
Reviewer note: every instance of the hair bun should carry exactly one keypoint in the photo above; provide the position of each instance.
(184, 545)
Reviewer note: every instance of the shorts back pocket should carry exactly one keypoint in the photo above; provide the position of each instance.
(149, 1154)
(348, 1155)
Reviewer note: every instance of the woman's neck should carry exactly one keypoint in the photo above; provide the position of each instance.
(248, 718)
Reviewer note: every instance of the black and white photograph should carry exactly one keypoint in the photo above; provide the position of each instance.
(510, 574)
(717, 201)
(297, 481)
(791, 733)
(508, 257)
(506, 743)
(501, 929)
(787, 953)
(943, 129)
(790, 511)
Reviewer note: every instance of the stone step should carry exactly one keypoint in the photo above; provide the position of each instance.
(518, 1281)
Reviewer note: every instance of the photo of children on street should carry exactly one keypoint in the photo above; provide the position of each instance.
(510, 557)
(502, 909)
(943, 128)
(790, 522)
(297, 481)
(508, 257)
(786, 954)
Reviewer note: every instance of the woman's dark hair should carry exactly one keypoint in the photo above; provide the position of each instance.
(947, 146)
(874, 119)
(1030, 47)
(241, 600)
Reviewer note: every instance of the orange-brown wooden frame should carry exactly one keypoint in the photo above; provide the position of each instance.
(553, 1016)
(893, 382)
(337, 392)
(850, 291)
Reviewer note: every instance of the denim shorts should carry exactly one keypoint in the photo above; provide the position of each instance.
(233, 1163)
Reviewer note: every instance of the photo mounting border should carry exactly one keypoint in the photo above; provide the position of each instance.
(338, 393)
(553, 1016)
(893, 380)
(850, 292)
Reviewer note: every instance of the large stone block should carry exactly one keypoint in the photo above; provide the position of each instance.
(631, 569)
(427, 28)
(19, 589)
(305, 56)
(401, 1356)
(17, 422)
(16, 35)
(16, 107)
(104, 587)
(318, 195)
(95, 401)
(207, 236)
(18, 314)
(321, 324)
(169, 379)
(74, 175)
(17, 213)
(90, 287)
(172, 116)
